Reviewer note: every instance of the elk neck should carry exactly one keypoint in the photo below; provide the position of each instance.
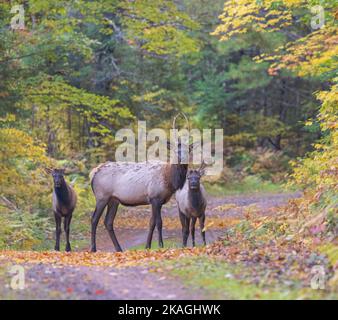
(195, 198)
(62, 193)
(178, 174)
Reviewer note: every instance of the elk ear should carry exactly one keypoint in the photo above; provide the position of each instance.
(48, 170)
(62, 171)
(201, 172)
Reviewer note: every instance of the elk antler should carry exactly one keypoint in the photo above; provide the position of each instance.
(174, 127)
(186, 120)
(174, 123)
(202, 166)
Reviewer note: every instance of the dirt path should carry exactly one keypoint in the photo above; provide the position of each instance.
(46, 281)
(133, 237)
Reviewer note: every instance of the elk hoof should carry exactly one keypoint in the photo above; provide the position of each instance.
(57, 248)
(93, 249)
(68, 248)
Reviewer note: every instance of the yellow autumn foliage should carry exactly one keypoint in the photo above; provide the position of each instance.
(242, 15)
(312, 55)
(21, 165)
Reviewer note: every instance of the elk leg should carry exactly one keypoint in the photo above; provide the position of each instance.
(159, 226)
(155, 208)
(57, 231)
(186, 231)
(193, 223)
(185, 228)
(109, 223)
(202, 220)
(182, 218)
(151, 229)
(100, 205)
(66, 223)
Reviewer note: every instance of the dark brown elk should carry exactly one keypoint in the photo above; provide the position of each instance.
(64, 202)
(191, 202)
(135, 184)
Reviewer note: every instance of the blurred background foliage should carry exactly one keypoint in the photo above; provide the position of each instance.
(81, 70)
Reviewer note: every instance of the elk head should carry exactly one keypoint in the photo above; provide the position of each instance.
(194, 176)
(58, 176)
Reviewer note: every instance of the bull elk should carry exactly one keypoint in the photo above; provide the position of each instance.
(135, 184)
(64, 202)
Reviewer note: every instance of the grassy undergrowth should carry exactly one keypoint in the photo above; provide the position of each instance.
(168, 244)
(250, 184)
(220, 280)
(79, 234)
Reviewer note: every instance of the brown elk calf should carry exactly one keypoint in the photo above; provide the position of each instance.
(191, 202)
(64, 202)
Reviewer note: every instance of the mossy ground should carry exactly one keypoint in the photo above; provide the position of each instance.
(221, 280)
